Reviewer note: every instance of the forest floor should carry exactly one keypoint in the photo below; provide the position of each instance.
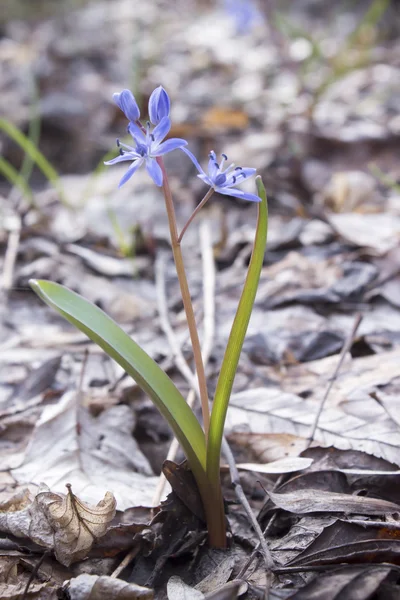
(308, 94)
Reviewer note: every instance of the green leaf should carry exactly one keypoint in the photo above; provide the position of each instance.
(236, 339)
(101, 329)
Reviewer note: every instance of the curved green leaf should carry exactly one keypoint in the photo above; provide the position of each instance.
(236, 339)
(101, 329)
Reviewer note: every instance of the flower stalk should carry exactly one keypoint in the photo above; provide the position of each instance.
(194, 213)
(186, 298)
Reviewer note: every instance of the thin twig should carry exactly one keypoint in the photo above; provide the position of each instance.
(235, 477)
(34, 573)
(343, 353)
(125, 562)
(10, 256)
(209, 315)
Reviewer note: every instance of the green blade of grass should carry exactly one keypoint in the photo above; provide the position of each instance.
(31, 150)
(236, 339)
(15, 179)
(102, 330)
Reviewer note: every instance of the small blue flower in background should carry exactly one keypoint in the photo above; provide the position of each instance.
(244, 12)
(148, 144)
(159, 105)
(127, 103)
(224, 181)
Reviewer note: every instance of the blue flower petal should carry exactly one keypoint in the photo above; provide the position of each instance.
(194, 161)
(213, 166)
(238, 194)
(168, 146)
(137, 133)
(127, 103)
(238, 176)
(121, 158)
(154, 170)
(206, 179)
(159, 105)
(161, 130)
(132, 169)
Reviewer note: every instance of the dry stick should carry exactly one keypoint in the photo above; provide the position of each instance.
(235, 477)
(11, 256)
(343, 353)
(125, 562)
(186, 298)
(34, 573)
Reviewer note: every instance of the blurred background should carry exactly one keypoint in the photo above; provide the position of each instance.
(307, 91)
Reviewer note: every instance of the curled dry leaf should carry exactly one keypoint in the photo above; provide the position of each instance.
(60, 522)
(76, 525)
(93, 587)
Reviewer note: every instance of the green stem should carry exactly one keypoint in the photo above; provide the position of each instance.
(187, 301)
(194, 213)
(214, 509)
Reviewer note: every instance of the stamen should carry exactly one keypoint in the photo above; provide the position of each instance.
(118, 142)
(122, 152)
(233, 179)
(152, 137)
(216, 164)
(224, 156)
(238, 168)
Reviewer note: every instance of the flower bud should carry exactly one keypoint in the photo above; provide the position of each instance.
(159, 105)
(127, 103)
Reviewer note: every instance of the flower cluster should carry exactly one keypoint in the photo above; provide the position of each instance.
(149, 146)
(149, 143)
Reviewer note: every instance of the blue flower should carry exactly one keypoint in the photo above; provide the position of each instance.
(148, 146)
(244, 12)
(224, 181)
(127, 103)
(159, 105)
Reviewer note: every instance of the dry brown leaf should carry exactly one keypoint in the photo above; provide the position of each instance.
(266, 409)
(93, 454)
(313, 500)
(76, 525)
(59, 522)
(267, 447)
(93, 587)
